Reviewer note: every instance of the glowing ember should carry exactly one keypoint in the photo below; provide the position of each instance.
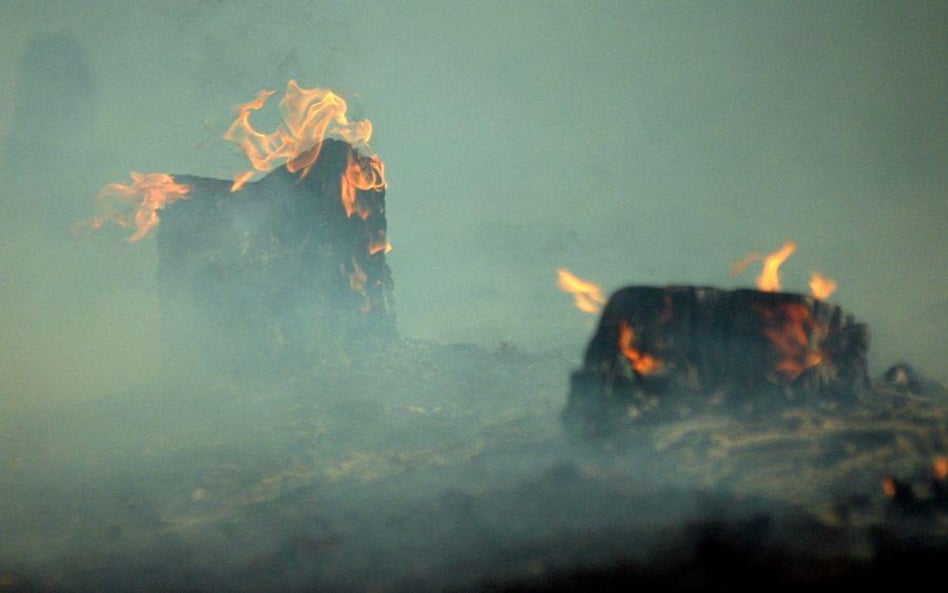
(136, 205)
(587, 296)
(821, 287)
(309, 116)
(792, 329)
(379, 244)
(941, 468)
(644, 364)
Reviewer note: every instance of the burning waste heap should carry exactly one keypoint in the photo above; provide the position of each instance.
(285, 268)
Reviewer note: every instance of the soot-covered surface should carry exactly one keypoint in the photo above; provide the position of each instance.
(425, 467)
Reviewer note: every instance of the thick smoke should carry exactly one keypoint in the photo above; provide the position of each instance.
(631, 143)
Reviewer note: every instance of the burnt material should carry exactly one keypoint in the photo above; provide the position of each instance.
(277, 271)
(668, 350)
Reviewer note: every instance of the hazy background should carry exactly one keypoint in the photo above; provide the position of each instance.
(634, 143)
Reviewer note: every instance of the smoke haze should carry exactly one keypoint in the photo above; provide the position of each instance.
(630, 142)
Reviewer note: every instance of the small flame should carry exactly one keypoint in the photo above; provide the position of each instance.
(644, 364)
(309, 116)
(361, 174)
(821, 286)
(792, 327)
(768, 280)
(379, 244)
(587, 296)
(136, 205)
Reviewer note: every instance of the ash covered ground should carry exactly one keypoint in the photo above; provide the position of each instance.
(434, 467)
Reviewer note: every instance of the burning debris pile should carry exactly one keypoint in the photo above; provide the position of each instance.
(286, 266)
(668, 350)
(761, 391)
(665, 352)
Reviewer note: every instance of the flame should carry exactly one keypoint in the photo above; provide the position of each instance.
(791, 328)
(361, 174)
(309, 116)
(821, 287)
(136, 205)
(768, 280)
(644, 364)
(379, 244)
(587, 296)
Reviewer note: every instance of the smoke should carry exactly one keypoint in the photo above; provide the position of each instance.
(636, 143)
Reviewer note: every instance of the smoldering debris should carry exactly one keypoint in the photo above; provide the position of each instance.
(427, 467)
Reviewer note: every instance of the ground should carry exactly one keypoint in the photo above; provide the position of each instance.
(433, 467)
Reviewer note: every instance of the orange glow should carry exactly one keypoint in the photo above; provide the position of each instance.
(357, 280)
(379, 244)
(361, 174)
(888, 487)
(644, 364)
(587, 296)
(769, 278)
(941, 468)
(821, 287)
(791, 329)
(136, 205)
(309, 116)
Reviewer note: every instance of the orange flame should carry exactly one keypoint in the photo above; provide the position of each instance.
(361, 174)
(136, 205)
(379, 244)
(768, 280)
(821, 287)
(791, 331)
(309, 116)
(644, 364)
(586, 295)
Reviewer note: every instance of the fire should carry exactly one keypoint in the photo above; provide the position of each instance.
(587, 295)
(768, 280)
(791, 329)
(379, 244)
(136, 205)
(361, 174)
(644, 364)
(309, 116)
(821, 287)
